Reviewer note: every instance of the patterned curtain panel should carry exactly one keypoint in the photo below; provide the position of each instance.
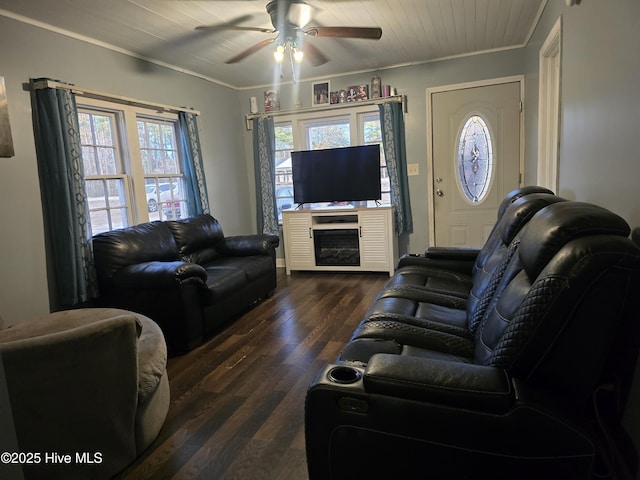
(194, 182)
(393, 142)
(64, 200)
(264, 147)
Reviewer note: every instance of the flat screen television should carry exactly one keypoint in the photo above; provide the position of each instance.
(336, 174)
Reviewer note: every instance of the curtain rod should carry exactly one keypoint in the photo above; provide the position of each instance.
(41, 83)
(333, 106)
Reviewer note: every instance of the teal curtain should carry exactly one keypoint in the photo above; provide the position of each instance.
(264, 147)
(193, 170)
(393, 142)
(71, 273)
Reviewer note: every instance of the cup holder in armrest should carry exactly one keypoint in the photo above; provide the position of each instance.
(344, 375)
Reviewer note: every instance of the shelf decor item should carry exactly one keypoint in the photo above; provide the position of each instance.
(253, 102)
(375, 87)
(352, 93)
(363, 93)
(271, 100)
(320, 93)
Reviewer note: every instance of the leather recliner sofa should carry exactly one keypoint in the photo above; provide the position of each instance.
(184, 274)
(517, 369)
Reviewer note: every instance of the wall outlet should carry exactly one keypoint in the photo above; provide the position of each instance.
(413, 169)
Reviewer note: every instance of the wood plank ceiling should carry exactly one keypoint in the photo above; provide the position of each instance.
(414, 31)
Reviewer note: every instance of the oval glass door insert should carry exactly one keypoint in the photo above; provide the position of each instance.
(475, 159)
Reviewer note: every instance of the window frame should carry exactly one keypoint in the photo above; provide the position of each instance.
(298, 120)
(120, 176)
(126, 130)
(356, 116)
(474, 118)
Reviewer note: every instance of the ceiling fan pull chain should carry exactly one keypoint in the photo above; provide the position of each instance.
(293, 67)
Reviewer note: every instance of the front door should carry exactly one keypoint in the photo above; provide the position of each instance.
(475, 159)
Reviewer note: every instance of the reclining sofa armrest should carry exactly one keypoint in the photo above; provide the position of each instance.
(159, 275)
(240, 245)
(451, 383)
(452, 253)
(458, 260)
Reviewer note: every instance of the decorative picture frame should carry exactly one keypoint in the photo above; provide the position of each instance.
(271, 100)
(6, 141)
(320, 93)
(352, 93)
(357, 93)
(376, 87)
(363, 93)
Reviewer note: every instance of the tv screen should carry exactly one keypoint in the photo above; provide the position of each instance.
(336, 174)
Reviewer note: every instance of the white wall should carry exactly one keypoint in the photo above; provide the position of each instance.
(33, 52)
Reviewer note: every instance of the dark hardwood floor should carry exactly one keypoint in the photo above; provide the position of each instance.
(237, 402)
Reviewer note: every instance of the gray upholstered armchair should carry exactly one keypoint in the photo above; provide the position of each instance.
(89, 383)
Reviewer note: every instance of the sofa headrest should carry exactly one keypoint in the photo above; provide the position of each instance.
(635, 236)
(514, 195)
(142, 243)
(196, 237)
(555, 225)
(521, 211)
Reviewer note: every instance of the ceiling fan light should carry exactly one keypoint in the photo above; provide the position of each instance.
(279, 54)
(298, 55)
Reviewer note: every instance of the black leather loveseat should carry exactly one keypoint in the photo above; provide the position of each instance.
(184, 274)
(517, 365)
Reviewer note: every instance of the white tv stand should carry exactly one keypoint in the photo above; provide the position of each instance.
(340, 239)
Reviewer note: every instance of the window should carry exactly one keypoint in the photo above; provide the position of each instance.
(328, 133)
(475, 159)
(359, 126)
(132, 165)
(160, 162)
(105, 181)
(372, 134)
(284, 182)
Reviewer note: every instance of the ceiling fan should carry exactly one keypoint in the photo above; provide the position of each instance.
(289, 19)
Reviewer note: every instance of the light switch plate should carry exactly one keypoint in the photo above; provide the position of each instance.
(413, 169)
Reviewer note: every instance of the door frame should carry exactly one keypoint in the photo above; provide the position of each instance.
(461, 86)
(550, 65)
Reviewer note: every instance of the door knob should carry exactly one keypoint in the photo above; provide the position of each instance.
(439, 192)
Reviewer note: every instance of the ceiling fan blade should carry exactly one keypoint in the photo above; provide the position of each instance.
(315, 56)
(251, 50)
(235, 27)
(373, 33)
